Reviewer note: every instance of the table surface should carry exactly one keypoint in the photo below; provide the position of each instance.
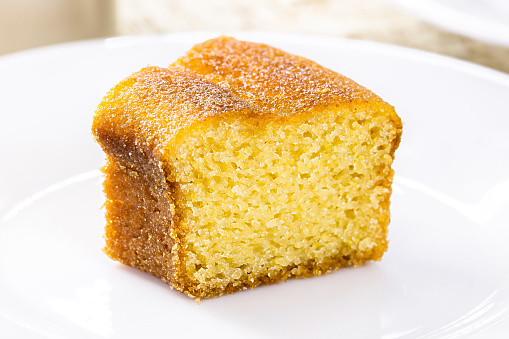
(375, 20)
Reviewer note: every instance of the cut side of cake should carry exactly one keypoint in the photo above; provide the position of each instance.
(242, 165)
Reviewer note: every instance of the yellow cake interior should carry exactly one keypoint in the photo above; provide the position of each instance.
(260, 196)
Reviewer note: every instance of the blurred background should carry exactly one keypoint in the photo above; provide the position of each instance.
(472, 30)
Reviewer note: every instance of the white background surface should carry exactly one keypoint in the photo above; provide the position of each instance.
(486, 20)
(446, 272)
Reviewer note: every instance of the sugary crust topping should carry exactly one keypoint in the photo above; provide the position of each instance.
(155, 103)
(275, 81)
(221, 78)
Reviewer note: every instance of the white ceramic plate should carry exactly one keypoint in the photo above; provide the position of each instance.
(446, 272)
(486, 20)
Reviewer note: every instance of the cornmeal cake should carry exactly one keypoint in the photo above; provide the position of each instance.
(242, 165)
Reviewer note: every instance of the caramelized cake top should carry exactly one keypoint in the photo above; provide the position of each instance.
(274, 80)
(145, 110)
(160, 101)
(223, 77)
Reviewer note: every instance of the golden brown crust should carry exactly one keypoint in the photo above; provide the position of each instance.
(146, 110)
(278, 82)
(274, 80)
(305, 270)
(141, 222)
(140, 115)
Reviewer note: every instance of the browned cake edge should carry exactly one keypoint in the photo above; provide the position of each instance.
(143, 112)
(140, 223)
(272, 79)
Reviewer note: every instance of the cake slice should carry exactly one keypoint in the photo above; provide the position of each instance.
(243, 165)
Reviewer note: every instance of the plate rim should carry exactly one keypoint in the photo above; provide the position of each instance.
(113, 42)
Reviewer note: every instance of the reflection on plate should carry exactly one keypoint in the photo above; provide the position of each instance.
(486, 20)
(446, 272)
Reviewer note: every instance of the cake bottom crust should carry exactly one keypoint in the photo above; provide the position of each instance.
(305, 270)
